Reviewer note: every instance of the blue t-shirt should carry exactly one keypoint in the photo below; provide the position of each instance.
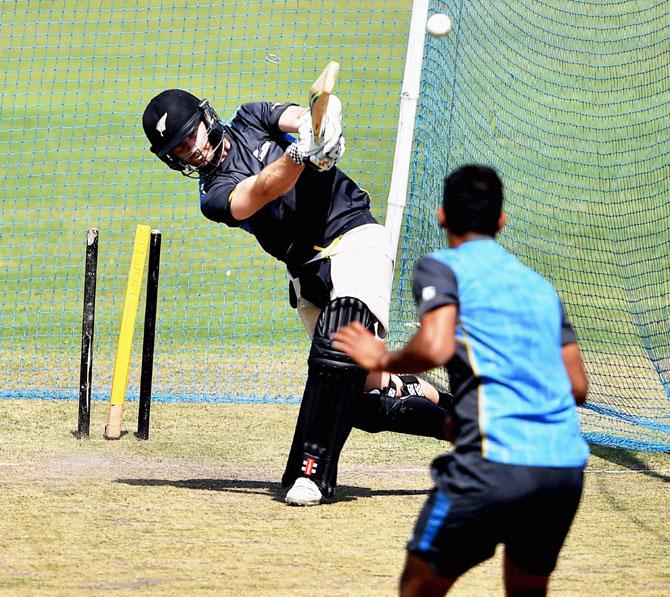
(514, 398)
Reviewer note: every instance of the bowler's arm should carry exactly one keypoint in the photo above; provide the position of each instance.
(433, 345)
(574, 365)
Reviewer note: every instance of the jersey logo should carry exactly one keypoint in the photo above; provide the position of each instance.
(428, 293)
(160, 125)
(262, 151)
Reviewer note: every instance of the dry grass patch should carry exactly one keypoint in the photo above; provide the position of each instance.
(198, 510)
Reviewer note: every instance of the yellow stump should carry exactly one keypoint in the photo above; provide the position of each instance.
(122, 363)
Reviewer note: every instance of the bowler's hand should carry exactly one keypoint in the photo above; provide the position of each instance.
(361, 345)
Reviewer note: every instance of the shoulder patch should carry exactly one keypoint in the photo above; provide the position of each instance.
(428, 293)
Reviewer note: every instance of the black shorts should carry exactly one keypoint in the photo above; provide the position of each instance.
(477, 504)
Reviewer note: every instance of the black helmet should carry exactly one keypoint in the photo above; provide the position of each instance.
(173, 115)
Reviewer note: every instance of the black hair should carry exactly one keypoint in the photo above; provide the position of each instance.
(472, 200)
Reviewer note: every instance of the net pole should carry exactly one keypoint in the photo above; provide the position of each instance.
(409, 97)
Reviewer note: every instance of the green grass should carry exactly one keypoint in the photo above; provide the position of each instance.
(198, 510)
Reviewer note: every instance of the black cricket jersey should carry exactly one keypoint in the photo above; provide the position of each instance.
(320, 207)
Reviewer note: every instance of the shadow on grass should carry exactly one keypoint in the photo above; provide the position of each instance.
(345, 493)
(611, 491)
(627, 459)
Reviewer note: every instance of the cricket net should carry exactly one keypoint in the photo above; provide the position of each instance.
(76, 78)
(570, 104)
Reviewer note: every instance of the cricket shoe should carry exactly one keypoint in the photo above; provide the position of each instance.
(304, 492)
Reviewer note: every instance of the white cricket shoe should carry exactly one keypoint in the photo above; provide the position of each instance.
(304, 492)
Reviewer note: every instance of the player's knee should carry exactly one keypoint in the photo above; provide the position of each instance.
(378, 409)
(377, 412)
(367, 411)
(411, 414)
(337, 313)
(520, 583)
(418, 578)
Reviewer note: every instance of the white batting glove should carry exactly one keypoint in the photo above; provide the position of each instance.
(320, 160)
(324, 154)
(323, 161)
(331, 125)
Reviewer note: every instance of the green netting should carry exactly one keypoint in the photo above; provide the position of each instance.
(570, 102)
(74, 80)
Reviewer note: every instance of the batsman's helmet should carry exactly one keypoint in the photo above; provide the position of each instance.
(173, 115)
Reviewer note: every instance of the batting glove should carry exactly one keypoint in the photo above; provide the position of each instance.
(323, 160)
(331, 125)
(323, 153)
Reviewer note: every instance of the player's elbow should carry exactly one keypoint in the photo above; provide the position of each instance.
(436, 337)
(575, 368)
(438, 350)
(580, 390)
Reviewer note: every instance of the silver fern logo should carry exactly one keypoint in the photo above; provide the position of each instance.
(160, 125)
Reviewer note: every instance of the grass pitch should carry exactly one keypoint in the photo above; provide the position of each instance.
(198, 510)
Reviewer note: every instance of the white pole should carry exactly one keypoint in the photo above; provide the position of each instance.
(409, 97)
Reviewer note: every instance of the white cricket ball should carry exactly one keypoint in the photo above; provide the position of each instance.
(439, 25)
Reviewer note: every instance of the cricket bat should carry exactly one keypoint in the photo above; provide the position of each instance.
(319, 93)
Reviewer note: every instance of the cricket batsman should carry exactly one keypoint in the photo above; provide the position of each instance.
(264, 171)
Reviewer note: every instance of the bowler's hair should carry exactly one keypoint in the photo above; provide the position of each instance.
(472, 200)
